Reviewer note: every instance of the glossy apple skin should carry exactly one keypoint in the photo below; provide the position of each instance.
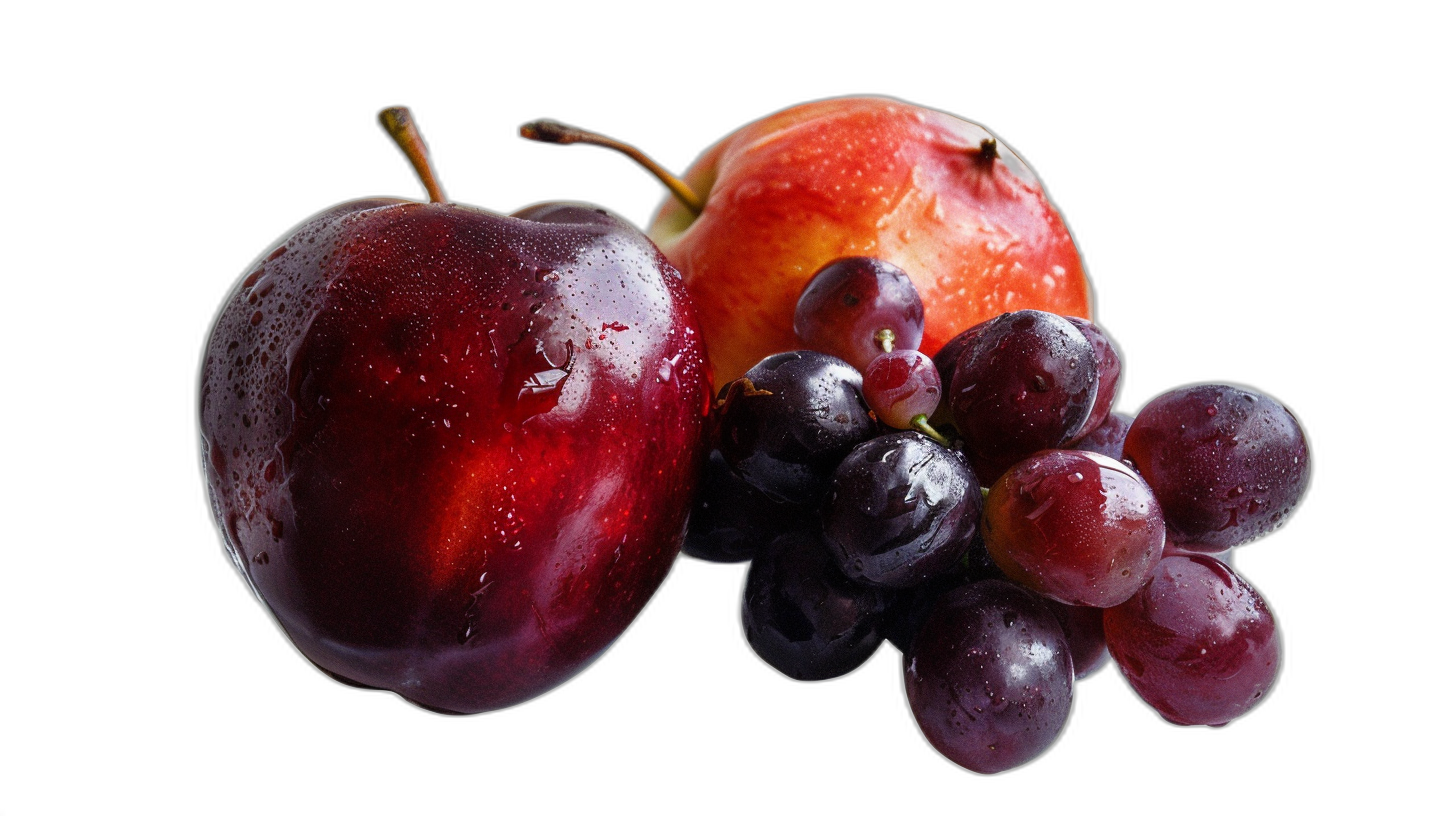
(453, 451)
(864, 176)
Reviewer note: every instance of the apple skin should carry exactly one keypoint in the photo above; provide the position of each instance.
(453, 451)
(863, 176)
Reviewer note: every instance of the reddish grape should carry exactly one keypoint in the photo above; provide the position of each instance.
(901, 509)
(1227, 464)
(989, 676)
(1075, 526)
(1197, 642)
(900, 386)
(850, 300)
(1026, 383)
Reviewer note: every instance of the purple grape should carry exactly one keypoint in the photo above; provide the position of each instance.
(803, 617)
(790, 420)
(1026, 383)
(901, 509)
(989, 676)
(1227, 464)
(850, 300)
(1197, 643)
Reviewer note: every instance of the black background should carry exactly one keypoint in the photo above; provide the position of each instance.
(1190, 209)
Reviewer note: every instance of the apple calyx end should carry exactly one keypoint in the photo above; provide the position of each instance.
(988, 152)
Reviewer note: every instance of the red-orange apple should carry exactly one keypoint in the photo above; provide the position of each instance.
(936, 195)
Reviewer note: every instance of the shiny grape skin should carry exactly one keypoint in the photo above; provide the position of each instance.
(787, 433)
(900, 386)
(1109, 372)
(901, 509)
(730, 519)
(1108, 437)
(1027, 383)
(989, 676)
(1197, 642)
(850, 299)
(803, 617)
(1077, 527)
(1227, 464)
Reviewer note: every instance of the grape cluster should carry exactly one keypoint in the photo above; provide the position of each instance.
(988, 513)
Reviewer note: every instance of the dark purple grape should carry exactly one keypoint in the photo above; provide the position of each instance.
(790, 420)
(1197, 643)
(1027, 383)
(1227, 464)
(989, 676)
(901, 509)
(803, 617)
(901, 386)
(1077, 527)
(850, 300)
(1107, 438)
(731, 520)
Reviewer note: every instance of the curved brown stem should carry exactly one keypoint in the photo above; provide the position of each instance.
(554, 132)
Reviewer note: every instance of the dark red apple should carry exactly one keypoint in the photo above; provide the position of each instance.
(453, 451)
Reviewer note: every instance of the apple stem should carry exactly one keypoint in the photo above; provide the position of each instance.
(400, 125)
(554, 132)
